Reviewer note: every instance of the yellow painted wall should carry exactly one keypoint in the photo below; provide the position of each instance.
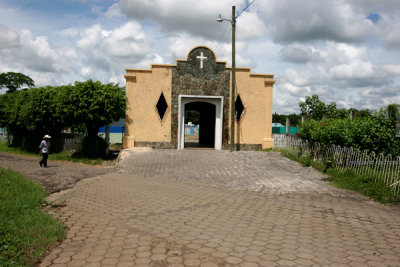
(143, 90)
(255, 125)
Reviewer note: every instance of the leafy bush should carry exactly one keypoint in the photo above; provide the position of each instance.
(93, 147)
(375, 133)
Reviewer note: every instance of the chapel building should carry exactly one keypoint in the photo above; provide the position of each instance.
(158, 98)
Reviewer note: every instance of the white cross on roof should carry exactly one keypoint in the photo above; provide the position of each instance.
(201, 57)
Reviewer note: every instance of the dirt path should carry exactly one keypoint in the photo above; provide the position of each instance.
(59, 175)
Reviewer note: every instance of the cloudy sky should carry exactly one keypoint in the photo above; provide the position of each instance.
(346, 51)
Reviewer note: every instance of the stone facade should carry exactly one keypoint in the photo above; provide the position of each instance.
(202, 75)
(211, 80)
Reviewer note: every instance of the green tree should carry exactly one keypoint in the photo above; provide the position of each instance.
(359, 114)
(279, 118)
(313, 107)
(192, 116)
(295, 119)
(393, 111)
(29, 114)
(14, 81)
(92, 104)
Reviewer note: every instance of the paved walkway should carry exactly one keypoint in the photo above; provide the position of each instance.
(215, 208)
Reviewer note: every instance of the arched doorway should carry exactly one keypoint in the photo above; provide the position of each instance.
(210, 109)
(205, 134)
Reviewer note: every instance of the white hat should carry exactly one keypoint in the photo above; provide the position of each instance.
(47, 136)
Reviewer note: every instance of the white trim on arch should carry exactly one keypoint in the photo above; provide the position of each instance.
(218, 101)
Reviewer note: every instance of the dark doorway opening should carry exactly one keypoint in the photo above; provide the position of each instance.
(205, 136)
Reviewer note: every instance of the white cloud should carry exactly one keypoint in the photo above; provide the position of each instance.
(299, 53)
(391, 68)
(9, 38)
(194, 17)
(127, 42)
(106, 53)
(391, 30)
(249, 25)
(35, 54)
(293, 77)
(113, 11)
(335, 77)
(304, 20)
(350, 66)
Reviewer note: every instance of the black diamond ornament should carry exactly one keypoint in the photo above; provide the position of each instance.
(161, 106)
(239, 108)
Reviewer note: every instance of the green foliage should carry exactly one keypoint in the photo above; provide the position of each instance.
(25, 231)
(13, 81)
(30, 114)
(93, 147)
(393, 111)
(314, 108)
(192, 116)
(93, 104)
(360, 114)
(375, 133)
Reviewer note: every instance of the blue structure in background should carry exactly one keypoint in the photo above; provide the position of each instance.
(117, 131)
(113, 129)
(191, 129)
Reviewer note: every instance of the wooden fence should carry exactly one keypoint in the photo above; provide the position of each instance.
(380, 167)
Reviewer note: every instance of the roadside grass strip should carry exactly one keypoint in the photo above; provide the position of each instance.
(26, 232)
(367, 185)
(62, 156)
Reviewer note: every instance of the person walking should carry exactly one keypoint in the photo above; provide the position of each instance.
(44, 148)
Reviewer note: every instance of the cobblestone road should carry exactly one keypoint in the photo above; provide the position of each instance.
(215, 208)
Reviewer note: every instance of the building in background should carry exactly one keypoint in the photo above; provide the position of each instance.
(117, 132)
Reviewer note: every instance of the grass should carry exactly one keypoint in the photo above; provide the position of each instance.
(367, 186)
(349, 180)
(63, 156)
(26, 232)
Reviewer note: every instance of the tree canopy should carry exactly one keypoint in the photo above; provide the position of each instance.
(14, 81)
(29, 114)
(93, 105)
(314, 108)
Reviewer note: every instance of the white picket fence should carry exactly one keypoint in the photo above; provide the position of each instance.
(368, 164)
(286, 141)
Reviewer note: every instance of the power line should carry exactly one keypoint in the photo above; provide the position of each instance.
(245, 8)
(221, 47)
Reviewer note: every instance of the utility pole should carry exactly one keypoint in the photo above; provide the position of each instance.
(233, 93)
(233, 80)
